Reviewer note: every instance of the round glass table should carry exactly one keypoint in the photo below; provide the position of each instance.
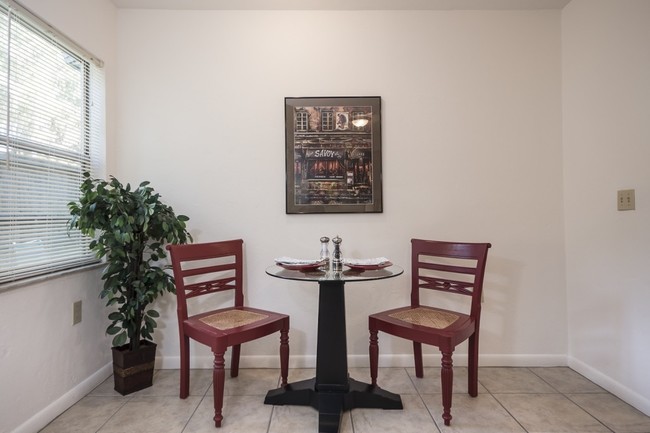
(333, 391)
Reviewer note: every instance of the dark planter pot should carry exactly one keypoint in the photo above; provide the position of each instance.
(133, 371)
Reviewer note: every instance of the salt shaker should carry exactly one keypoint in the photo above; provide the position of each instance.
(324, 251)
(337, 257)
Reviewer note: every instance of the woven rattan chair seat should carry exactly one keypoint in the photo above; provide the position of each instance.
(426, 317)
(232, 319)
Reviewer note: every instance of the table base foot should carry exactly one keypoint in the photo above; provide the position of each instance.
(330, 405)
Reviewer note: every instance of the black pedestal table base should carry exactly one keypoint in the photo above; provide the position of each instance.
(332, 391)
(330, 405)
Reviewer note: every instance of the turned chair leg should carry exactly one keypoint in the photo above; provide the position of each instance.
(472, 366)
(185, 367)
(373, 351)
(417, 356)
(218, 380)
(234, 360)
(284, 355)
(447, 378)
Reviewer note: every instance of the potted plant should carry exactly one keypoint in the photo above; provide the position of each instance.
(130, 229)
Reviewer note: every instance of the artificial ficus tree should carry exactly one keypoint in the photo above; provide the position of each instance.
(130, 228)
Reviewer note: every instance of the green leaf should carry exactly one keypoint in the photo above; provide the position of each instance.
(120, 339)
(112, 330)
(112, 301)
(153, 313)
(116, 316)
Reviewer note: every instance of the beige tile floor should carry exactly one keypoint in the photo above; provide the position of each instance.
(510, 400)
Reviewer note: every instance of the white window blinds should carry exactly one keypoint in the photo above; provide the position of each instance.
(51, 131)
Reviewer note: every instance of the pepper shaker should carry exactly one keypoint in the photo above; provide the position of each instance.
(324, 251)
(337, 257)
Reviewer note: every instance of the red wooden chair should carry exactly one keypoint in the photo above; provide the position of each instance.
(202, 269)
(450, 267)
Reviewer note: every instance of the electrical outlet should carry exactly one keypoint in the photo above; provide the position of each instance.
(76, 312)
(625, 199)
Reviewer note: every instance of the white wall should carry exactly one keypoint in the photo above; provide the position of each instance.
(46, 363)
(473, 124)
(606, 103)
(471, 150)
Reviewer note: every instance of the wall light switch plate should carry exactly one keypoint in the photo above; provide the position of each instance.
(76, 312)
(625, 199)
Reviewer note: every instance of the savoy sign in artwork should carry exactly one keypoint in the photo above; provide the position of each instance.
(333, 154)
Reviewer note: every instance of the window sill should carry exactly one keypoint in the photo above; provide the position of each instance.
(34, 280)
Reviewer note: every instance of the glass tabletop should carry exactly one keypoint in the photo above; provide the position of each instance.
(346, 275)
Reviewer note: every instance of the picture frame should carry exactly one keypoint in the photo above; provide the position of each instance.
(333, 155)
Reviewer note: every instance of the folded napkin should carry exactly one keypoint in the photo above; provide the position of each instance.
(365, 262)
(292, 261)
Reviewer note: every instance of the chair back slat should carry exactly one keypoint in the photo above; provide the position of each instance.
(203, 288)
(447, 268)
(451, 267)
(446, 285)
(205, 268)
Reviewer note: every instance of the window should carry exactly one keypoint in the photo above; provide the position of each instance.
(51, 131)
(327, 120)
(302, 121)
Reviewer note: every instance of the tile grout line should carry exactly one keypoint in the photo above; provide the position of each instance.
(203, 395)
(543, 380)
(114, 413)
(501, 404)
(422, 400)
(569, 399)
(268, 426)
(278, 384)
(587, 412)
(193, 413)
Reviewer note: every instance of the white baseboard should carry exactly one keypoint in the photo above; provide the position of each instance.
(57, 407)
(396, 360)
(618, 389)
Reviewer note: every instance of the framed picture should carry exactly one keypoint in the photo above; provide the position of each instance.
(333, 154)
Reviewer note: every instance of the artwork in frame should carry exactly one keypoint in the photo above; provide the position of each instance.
(333, 155)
